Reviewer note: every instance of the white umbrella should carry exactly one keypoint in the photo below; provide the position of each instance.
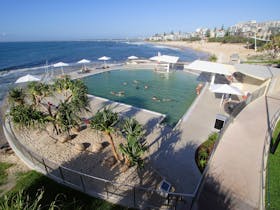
(27, 78)
(60, 64)
(83, 61)
(104, 58)
(132, 57)
(225, 89)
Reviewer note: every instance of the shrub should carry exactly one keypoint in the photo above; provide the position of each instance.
(204, 151)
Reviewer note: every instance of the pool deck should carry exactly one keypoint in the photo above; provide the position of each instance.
(172, 151)
(144, 116)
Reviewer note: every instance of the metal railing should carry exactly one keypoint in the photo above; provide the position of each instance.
(123, 194)
(264, 167)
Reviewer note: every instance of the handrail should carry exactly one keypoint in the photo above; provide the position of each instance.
(265, 152)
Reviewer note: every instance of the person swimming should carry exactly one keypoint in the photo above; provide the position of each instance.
(155, 98)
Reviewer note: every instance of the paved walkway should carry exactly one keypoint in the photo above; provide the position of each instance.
(234, 178)
(172, 152)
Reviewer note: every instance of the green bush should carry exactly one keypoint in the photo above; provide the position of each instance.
(192, 39)
(229, 39)
(213, 58)
(204, 151)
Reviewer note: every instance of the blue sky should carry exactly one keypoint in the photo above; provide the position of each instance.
(89, 19)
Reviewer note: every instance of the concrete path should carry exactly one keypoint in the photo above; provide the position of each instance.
(172, 152)
(234, 178)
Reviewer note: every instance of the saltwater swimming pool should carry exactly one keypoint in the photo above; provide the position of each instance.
(167, 93)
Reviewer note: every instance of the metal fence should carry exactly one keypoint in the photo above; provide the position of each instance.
(123, 194)
(265, 191)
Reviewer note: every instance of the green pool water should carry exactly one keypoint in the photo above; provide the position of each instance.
(170, 94)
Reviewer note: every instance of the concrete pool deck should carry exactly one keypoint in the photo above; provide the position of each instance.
(172, 151)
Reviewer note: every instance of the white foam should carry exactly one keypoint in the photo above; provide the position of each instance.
(166, 47)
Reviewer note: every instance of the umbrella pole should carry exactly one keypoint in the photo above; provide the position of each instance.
(222, 100)
(62, 72)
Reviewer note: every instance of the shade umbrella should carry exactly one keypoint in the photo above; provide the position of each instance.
(84, 61)
(104, 58)
(60, 64)
(27, 78)
(225, 89)
(132, 57)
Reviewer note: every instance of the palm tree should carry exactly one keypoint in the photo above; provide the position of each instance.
(38, 91)
(132, 151)
(26, 116)
(65, 118)
(132, 127)
(16, 96)
(135, 146)
(63, 85)
(105, 121)
(79, 99)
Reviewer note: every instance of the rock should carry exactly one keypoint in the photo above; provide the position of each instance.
(64, 138)
(80, 147)
(95, 148)
(76, 130)
(109, 162)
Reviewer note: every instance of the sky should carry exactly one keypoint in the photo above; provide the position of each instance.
(38, 20)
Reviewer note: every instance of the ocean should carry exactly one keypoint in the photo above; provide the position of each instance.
(20, 58)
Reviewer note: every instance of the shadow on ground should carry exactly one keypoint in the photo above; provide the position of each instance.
(213, 196)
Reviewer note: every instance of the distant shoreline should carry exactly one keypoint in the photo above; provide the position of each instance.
(222, 51)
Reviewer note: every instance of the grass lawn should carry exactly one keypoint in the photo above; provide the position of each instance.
(273, 178)
(67, 198)
(3, 173)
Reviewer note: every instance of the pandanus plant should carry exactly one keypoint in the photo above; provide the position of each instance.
(134, 148)
(26, 116)
(106, 121)
(16, 96)
(66, 118)
(38, 91)
(132, 151)
(62, 116)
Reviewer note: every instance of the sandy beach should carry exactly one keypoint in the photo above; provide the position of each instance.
(222, 51)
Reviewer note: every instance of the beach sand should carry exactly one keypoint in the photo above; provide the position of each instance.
(222, 51)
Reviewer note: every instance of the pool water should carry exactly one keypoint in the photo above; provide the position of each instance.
(167, 93)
